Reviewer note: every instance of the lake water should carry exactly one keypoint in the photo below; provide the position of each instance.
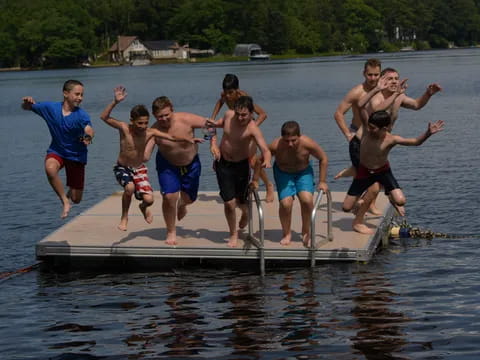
(418, 298)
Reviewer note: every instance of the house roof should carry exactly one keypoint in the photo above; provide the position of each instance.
(124, 41)
(161, 44)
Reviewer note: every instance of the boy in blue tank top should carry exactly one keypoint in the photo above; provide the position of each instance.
(71, 132)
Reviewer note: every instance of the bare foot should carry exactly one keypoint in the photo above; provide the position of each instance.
(306, 240)
(286, 240)
(232, 241)
(362, 229)
(147, 214)
(243, 221)
(66, 209)
(347, 172)
(181, 211)
(171, 239)
(123, 225)
(270, 194)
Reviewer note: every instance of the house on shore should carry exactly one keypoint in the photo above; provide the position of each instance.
(131, 50)
(128, 49)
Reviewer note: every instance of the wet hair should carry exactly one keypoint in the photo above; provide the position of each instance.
(161, 103)
(290, 128)
(230, 82)
(388, 70)
(70, 84)
(138, 111)
(372, 63)
(380, 119)
(244, 102)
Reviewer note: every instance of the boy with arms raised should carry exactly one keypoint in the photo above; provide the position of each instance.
(232, 165)
(231, 93)
(130, 171)
(294, 176)
(71, 132)
(376, 143)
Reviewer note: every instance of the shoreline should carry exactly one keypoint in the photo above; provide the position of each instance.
(224, 58)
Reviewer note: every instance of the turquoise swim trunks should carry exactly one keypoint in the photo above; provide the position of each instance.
(290, 184)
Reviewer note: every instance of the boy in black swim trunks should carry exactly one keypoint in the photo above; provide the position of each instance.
(232, 164)
(376, 143)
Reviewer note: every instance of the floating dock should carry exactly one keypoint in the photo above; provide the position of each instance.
(91, 240)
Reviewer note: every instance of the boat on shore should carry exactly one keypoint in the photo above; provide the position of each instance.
(258, 55)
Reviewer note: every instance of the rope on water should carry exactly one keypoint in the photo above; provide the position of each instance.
(7, 274)
(405, 230)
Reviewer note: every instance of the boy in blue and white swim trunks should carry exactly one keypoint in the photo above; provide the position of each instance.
(294, 176)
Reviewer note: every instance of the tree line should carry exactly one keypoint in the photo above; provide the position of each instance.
(63, 32)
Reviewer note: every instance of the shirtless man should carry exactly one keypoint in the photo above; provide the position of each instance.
(232, 161)
(178, 164)
(371, 73)
(294, 177)
(391, 95)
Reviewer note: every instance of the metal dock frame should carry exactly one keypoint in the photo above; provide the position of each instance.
(261, 224)
(312, 224)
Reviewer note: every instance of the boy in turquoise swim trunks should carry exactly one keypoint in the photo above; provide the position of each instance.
(294, 176)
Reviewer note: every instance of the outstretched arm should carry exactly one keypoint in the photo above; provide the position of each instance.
(262, 144)
(432, 128)
(418, 103)
(120, 93)
(27, 103)
(217, 107)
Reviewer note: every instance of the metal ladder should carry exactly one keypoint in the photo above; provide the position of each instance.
(260, 242)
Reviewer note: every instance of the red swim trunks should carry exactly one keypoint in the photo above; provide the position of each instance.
(74, 170)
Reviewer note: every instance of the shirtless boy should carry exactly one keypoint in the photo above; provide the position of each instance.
(130, 171)
(294, 177)
(229, 96)
(178, 164)
(71, 132)
(377, 141)
(232, 161)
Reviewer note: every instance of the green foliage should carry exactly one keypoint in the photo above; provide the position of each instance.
(62, 33)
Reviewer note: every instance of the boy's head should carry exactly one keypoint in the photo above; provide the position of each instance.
(371, 71)
(291, 133)
(379, 120)
(162, 109)
(244, 109)
(139, 116)
(230, 82)
(73, 92)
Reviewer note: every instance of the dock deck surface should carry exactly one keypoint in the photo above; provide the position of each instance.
(203, 233)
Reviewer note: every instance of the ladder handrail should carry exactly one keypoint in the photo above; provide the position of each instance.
(261, 225)
(312, 225)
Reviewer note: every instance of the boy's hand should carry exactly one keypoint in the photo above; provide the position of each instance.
(433, 89)
(402, 86)
(86, 139)
(322, 186)
(27, 102)
(437, 126)
(215, 150)
(197, 140)
(119, 93)
(253, 185)
(209, 123)
(382, 83)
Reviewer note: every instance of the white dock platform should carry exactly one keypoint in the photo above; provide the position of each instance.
(92, 239)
